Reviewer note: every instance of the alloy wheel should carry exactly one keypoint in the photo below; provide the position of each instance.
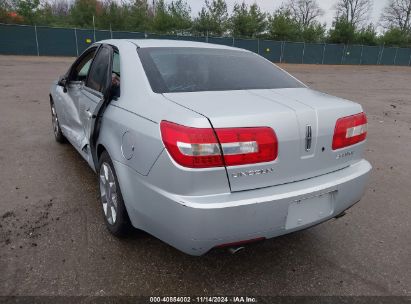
(54, 120)
(108, 193)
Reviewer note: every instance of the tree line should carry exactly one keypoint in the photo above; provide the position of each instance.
(295, 20)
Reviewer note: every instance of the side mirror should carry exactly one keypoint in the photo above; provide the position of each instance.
(63, 83)
(113, 89)
(114, 92)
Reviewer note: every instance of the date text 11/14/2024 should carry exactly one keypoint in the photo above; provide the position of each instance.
(204, 299)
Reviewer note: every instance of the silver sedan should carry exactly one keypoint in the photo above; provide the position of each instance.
(208, 146)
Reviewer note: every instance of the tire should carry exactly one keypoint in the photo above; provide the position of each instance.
(58, 134)
(112, 203)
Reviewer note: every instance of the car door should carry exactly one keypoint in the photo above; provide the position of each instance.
(71, 114)
(93, 93)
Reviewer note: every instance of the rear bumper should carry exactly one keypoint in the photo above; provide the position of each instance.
(196, 224)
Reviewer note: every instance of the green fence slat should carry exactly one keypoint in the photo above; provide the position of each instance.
(164, 36)
(175, 37)
(313, 53)
(21, 40)
(102, 35)
(248, 44)
(388, 56)
(17, 40)
(352, 54)
(293, 52)
(370, 55)
(221, 40)
(190, 38)
(56, 41)
(403, 56)
(157, 36)
(85, 38)
(271, 50)
(333, 53)
(128, 35)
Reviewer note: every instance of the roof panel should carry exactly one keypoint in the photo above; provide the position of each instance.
(146, 43)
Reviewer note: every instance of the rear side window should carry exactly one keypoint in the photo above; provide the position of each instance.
(116, 63)
(200, 69)
(97, 79)
(115, 76)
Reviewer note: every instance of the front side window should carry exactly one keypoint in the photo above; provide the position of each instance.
(97, 79)
(200, 69)
(80, 71)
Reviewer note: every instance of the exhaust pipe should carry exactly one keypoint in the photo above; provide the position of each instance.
(235, 250)
(236, 247)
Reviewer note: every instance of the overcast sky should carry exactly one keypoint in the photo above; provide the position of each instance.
(271, 5)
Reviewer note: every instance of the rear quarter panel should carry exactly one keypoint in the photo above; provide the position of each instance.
(130, 139)
(139, 112)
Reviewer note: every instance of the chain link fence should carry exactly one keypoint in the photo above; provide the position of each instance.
(48, 41)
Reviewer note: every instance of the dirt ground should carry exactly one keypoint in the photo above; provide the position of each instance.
(53, 240)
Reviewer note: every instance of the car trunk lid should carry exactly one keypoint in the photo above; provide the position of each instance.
(303, 120)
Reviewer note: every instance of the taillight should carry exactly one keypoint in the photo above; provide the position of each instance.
(243, 146)
(349, 131)
(200, 148)
(191, 147)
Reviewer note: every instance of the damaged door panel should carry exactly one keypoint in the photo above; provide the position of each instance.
(96, 96)
(74, 127)
(85, 97)
(87, 104)
(71, 105)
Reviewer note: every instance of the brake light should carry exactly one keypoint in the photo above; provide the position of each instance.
(349, 131)
(243, 146)
(200, 148)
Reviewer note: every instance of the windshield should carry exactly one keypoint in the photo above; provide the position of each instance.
(201, 69)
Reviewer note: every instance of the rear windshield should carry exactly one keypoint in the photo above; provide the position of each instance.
(201, 69)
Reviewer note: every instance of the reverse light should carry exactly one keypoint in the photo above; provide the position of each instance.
(349, 131)
(206, 148)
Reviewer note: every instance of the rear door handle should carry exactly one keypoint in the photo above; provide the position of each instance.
(308, 138)
(89, 114)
